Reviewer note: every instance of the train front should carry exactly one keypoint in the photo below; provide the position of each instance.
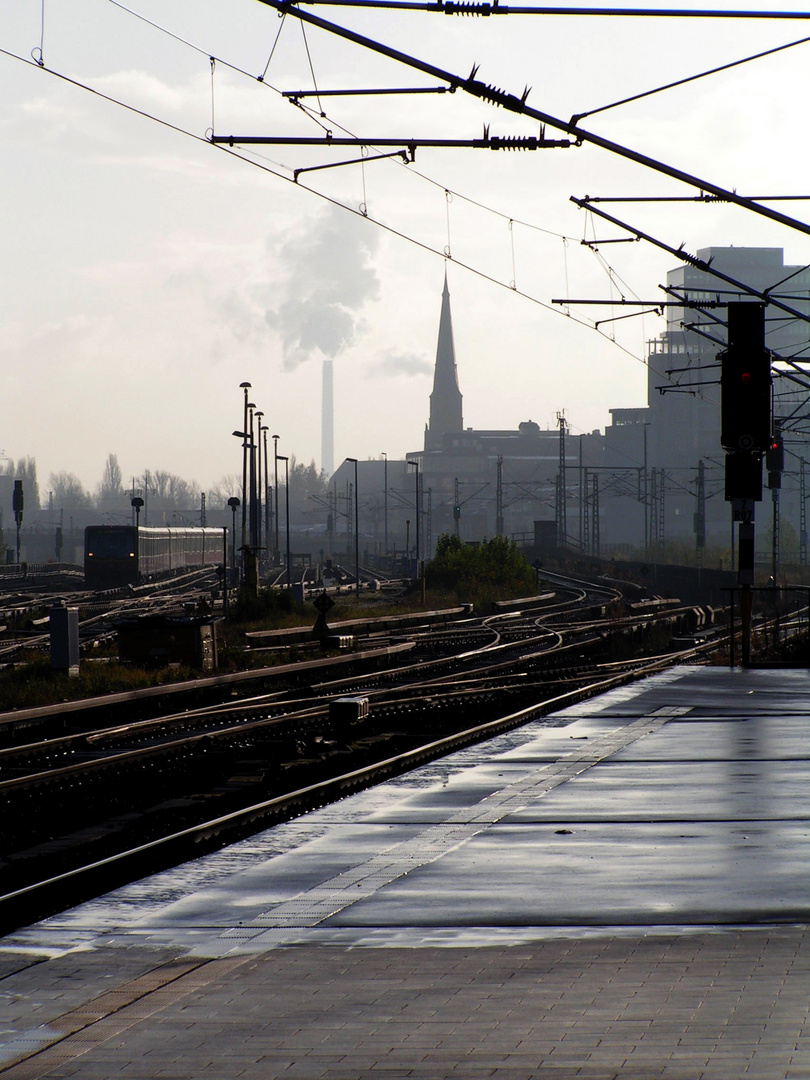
(110, 556)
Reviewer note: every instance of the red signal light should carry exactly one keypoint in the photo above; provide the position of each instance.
(745, 378)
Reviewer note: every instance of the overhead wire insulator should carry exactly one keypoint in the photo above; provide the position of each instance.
(495, 95)
(513, 142)
(465, 7)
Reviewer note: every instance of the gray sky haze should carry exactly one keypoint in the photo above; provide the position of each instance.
(146, 273)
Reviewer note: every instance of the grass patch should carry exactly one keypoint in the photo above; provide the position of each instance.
(31, 682)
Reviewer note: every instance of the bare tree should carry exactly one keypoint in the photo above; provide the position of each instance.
(112, 481)
(26, 470)
(229, 486)
(68, 493)
(110, 495)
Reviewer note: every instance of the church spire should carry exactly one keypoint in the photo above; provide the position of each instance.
(445, 401)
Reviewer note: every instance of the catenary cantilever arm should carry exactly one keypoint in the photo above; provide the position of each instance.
(512, 103)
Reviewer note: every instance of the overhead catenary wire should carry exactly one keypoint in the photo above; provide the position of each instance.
(689, 79)
(194, 47)
(311, 67)
(446, 253)
(213, 95)
(695, 13)
(462, 7)
(39, 54)
(266, 166)
(263, 75)
(262, 79)
(318, 118)
(495, 96)
(680, 253)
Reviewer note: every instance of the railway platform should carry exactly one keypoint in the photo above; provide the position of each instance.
(621, 890)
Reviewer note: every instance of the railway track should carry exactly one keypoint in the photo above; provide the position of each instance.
(101, 610)
(160, 843)
(97, 787)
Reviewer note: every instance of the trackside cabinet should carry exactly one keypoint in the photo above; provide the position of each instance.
(155, 641)
(64, 627)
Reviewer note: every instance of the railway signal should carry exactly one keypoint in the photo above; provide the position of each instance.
(745, 381)
(775, 460)
(18, 505)
(745, 431)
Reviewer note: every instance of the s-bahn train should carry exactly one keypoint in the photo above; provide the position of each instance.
(118, 555)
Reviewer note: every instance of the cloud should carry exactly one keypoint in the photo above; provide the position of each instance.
(50, 110)
(391, 364)
(148, 91)
(328, 279)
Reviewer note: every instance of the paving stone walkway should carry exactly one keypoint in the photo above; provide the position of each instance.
(453, 923)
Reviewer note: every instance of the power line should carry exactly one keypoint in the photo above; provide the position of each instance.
(495, 96)
(470, 7)
(690, 78)
(265, 167)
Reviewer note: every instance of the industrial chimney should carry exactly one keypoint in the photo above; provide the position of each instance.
(327, 421)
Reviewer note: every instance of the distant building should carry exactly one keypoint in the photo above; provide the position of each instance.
(666, 442)
(445, 400)
(485, 483)
(636, 488)
(478, 484)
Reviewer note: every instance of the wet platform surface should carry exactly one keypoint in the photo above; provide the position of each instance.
(619, 891)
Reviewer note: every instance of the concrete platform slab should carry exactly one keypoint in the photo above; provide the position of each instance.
(620, 892)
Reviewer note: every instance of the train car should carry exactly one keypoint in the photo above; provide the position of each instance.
(120, 555)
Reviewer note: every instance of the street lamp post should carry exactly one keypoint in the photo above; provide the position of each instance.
(233, 502)
(247, 442)
(286, 461)
(415, 465)
(268, 506)
(356, 531)
(252, 477)
(385, 500)
(245, 386)
(278, 515)
(259, 502)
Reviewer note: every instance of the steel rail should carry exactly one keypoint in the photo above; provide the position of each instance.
(24, 716)
(117, 758)
(54, 894)
(336, 685)
(284, 712)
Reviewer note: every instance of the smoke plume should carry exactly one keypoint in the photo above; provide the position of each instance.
(329, 277)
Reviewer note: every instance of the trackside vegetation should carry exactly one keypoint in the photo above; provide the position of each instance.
(479, 573)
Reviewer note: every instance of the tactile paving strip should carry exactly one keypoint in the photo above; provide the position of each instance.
(322, 902)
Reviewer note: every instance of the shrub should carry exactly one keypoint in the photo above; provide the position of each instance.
(481, 573)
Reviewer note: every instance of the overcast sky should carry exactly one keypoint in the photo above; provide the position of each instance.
(147, 273)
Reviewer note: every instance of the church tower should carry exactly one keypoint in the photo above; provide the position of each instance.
(445, 401)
